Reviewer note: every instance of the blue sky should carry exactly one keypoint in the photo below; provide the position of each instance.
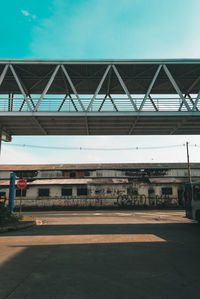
(99, 29)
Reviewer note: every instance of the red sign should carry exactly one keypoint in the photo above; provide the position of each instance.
(21, 184)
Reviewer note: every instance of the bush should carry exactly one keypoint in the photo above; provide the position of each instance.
(7, 217)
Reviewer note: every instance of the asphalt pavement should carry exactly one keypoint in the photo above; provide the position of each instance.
(102, 254)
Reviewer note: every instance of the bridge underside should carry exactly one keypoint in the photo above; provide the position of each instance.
(101, 125)
(99, 97)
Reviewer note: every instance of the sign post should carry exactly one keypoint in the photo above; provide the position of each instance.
(12, 192)
(21, 184)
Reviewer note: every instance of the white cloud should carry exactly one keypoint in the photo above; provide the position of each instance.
(25, 12)
(28, 14)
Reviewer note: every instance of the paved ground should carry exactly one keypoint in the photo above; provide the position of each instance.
(102, 254)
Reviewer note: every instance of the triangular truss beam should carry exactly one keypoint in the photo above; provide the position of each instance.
(176, 87)
(18, 81)
(190, 104)
(121, 83)
(174, 84)
(111, 100)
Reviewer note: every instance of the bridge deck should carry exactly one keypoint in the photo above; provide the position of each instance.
(95, 124)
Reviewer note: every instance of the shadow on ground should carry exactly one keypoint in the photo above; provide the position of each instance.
(105, 270)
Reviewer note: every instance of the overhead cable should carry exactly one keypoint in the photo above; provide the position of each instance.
(95, 148)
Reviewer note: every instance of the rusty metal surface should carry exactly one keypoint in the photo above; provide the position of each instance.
(69, 181)
(94, 166)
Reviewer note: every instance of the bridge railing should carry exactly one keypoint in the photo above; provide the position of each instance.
(59, 103)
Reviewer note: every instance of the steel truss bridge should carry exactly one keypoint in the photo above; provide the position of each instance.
(99, 97)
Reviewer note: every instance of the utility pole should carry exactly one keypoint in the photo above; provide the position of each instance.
(188, 163)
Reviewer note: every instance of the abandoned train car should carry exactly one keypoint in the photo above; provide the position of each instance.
(99, 185)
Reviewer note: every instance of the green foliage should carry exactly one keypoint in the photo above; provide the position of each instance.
(18, 216)
(7, 217)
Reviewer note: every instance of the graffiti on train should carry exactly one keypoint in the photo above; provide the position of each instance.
(142, 200)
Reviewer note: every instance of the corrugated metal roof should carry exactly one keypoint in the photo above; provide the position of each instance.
(168, 180)
(94, 166)
(69, 181)
(59, 182)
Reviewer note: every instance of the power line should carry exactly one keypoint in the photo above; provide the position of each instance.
(94, 148)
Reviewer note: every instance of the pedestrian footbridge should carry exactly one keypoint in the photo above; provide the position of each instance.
(99, 97)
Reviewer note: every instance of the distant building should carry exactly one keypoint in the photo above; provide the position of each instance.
(97, 185)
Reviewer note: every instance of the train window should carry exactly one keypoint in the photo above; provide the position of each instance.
(167, 191)
(18, 193)
(72, 174)
(98, 191)
(43, 192)
(151, 191)
(66, 191)
(109, 191)
(82, 191)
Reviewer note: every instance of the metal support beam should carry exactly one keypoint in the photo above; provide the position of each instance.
(108, 90)
(67, 94)
(3, 74)
(152, 101)
(10, 102)
(124, 87)
(133, 125)
(169, 75)
(196, 102)
(99, 87)
(102, 103)
(109, 79)
(97, 114)
(47, 87)
(20, 87)
(22, 105)
(39, 125)
(112, 101)
(188, 93)
(73, 102)
(63, 102)
(191, 100)
(150, 87)
(32, 102)
(179, 125)
(72, 86)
